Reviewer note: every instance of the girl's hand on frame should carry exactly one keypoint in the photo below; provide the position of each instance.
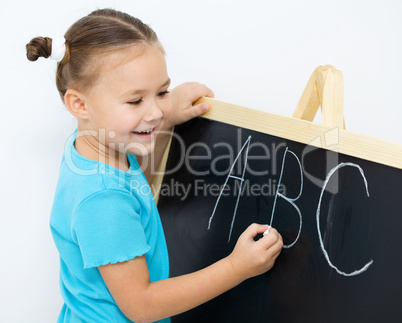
(182, 98)
(251, 258)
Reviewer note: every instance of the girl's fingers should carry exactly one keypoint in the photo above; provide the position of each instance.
(199, 90)
(271, 238)
(209, 93)
(199, 109)
(255, 229)
(193, 111)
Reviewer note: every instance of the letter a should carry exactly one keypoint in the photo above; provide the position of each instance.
(241, 179)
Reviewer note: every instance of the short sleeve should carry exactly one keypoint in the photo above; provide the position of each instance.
(107, 227)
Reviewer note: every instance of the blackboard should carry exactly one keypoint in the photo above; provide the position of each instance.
(339, 215)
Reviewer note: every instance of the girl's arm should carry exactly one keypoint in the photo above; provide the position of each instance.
(142, 301)
(182, 98)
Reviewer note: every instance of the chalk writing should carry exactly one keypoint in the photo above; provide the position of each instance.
(333, 170)
(290, 200)
(241, 179)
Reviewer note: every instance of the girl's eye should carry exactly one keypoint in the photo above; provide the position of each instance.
(137, 102)
(163, 93)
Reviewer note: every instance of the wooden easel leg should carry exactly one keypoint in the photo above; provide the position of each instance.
(325, 89)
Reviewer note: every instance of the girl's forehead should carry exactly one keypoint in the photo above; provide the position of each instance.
(135, 63)
(134, 55)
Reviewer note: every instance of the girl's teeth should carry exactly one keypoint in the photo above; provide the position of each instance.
(144, 132)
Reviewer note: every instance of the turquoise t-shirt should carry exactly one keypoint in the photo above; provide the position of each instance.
(102, 215)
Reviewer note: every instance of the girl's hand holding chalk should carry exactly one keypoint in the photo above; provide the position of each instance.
(251, 258)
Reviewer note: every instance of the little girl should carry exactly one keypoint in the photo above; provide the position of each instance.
(112, 77)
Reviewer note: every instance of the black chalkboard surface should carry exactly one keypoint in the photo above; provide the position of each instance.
(340, 218)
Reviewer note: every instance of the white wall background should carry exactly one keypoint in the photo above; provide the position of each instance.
(256, 53)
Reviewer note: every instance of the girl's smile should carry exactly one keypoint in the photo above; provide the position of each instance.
(144, 133)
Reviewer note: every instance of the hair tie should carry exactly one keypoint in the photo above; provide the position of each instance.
(58, 49)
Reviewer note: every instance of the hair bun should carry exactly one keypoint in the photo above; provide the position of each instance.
(39, 47)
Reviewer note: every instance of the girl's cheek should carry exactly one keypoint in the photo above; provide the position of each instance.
(167, 109)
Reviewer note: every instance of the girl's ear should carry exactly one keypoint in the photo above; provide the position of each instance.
(75, 103)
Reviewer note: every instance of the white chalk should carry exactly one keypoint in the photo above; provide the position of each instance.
(266, 231)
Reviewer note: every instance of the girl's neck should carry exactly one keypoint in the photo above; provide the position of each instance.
(89, 147)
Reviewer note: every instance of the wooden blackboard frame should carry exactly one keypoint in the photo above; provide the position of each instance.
(306, 132)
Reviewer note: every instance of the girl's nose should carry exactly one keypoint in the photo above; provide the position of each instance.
(154, 113)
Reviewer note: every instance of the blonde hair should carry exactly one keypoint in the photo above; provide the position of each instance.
(101, 31)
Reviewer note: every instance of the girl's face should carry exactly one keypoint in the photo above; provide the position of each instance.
(129, 101)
